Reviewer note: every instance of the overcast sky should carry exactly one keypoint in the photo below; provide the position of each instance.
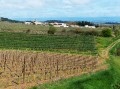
(59, 8)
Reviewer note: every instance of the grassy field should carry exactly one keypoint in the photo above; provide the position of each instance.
(34, 29)
(24, 41)
(103, 42)
(19, 27)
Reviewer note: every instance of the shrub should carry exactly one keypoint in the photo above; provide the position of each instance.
(107, 32)
(28, 31)
(116, 85)
(90, 32)
(78, 31)
(117, 32)
(63, 30)
(50, 25)
(51, 30)
(118, 52)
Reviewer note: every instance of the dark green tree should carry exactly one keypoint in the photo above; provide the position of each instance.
(52, 30)
(107, 32)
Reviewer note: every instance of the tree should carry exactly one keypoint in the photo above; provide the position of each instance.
(52, 30)
(83, 23)
(107, 32)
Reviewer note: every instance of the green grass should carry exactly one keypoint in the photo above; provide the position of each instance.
(115, 63)
(24, 41)
(101, 80)
(113, 50)
(103, 42)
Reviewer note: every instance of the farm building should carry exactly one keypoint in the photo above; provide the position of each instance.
(59, 24)
(27, 23)
(87, 26)
(33, 22)
(76, 26)
(37, 23)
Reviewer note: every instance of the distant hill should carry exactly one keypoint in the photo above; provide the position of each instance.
(9, 20)
(58, 21)
(112, 23)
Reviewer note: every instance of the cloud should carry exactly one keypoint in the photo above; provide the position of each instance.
(59, 8)
(76, 2)
(20, 4)
(34, 3)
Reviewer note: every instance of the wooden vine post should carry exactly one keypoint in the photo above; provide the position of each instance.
(24, 70)
(57, 67)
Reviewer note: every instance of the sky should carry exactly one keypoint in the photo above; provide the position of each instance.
(59, 8)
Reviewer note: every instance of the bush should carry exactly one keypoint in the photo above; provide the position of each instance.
(28, 31)
(117, 32)
(90, 32)
(63, 30)
(107, 32)
(51, 30)
(78, 31)
(116, 85)
(118, 52)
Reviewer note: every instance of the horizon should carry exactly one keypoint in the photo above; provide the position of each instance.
(91, 19)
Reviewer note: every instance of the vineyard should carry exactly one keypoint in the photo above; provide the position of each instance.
(17, 67)
(64, 43)
(36, 63)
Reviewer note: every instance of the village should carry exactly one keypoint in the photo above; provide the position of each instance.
(57, 24)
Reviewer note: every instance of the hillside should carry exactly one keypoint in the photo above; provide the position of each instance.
(9, 20)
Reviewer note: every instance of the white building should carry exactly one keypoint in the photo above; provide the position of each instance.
(87, 26)
(59, 24)
(27, 23)
(37, 23)
(33, 22)
(75, 26)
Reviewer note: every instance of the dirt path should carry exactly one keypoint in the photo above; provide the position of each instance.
(105, 53)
